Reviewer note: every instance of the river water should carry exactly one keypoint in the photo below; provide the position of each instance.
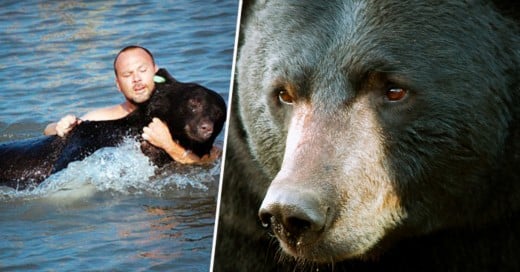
(114, 211)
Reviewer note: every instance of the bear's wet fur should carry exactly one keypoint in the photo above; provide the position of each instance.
(373, 136)
(194, 115)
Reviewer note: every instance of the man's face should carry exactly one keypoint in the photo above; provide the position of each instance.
(135, 72)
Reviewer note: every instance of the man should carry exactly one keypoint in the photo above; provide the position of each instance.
(135, 68)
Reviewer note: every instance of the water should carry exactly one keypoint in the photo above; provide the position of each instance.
(113, 211)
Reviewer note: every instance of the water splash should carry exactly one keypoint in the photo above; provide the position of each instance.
(120, 170)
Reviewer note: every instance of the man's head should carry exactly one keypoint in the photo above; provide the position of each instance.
(135, 68)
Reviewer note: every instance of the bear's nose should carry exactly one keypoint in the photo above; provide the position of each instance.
(205, 129)
(293, 213)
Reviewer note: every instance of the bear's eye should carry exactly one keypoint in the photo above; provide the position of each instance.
(395, 94)
(285, 97)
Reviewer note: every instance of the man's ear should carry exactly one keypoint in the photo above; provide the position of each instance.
(156, 68)
(117, 85)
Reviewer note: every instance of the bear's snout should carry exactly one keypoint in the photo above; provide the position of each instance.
(200, 129)
(297, 216)
(205, 129)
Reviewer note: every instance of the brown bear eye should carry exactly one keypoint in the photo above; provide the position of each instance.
(395, 94)
(285, 97)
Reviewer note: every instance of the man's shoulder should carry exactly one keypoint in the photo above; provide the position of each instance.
(107, 113)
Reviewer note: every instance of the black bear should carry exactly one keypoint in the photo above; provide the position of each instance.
(373, 136)
(194, 114)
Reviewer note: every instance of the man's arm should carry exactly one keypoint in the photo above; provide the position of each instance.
(158, 134)
(67, 123)
(50, 129)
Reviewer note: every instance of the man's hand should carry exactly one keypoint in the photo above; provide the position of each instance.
(158, 134)
(66, 124)
(62, 127)
(214, 154)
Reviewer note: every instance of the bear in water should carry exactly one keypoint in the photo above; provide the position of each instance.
(194, 115)
(373, 136)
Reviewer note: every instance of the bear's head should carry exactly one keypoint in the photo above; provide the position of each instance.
(194, 115)
(375, 123)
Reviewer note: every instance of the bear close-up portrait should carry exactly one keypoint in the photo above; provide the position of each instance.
(373, 136)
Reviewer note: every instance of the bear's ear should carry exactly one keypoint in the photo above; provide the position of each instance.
(159, 104)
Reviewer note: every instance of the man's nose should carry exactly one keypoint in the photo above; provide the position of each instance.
(136, 77)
